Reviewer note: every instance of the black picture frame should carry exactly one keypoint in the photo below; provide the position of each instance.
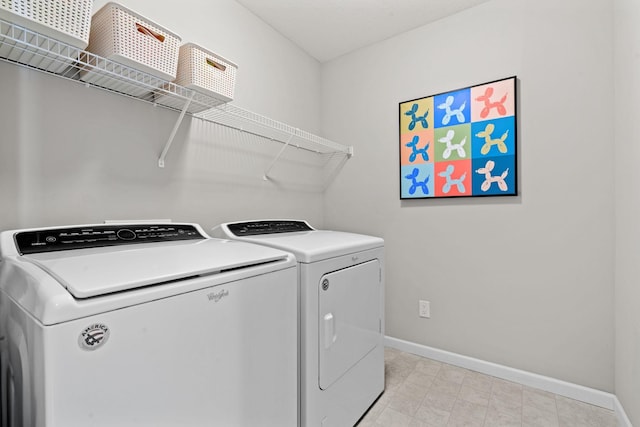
(460, 143)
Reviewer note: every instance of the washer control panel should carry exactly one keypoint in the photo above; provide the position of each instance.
(255, 228)
(62, 239)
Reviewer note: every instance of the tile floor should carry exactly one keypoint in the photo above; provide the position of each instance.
(423, 392)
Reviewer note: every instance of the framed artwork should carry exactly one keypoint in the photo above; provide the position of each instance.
(460, 143)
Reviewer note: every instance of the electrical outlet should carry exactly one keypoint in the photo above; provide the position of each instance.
(425, 309)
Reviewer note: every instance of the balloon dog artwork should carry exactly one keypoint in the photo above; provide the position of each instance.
(460, 143)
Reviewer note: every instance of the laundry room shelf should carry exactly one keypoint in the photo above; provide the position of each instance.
(246, 121)
(27, 48)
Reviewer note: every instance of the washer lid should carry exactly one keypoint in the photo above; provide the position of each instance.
(98, 271)
(318, 245)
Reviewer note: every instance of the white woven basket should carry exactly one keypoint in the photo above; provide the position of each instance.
(67, 21)
(123, 36)
(206, 72)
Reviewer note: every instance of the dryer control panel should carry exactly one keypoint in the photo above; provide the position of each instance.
(254, 228)
(62, 239)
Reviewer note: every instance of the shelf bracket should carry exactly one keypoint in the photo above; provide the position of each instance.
(274, 161)
(175, 130)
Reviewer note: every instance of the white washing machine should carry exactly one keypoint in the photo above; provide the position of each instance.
(145, 325)
(341, 278)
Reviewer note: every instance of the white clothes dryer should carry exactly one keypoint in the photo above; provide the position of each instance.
(341, 279)
(145, 325)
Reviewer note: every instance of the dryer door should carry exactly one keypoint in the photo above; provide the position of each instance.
(349, 324)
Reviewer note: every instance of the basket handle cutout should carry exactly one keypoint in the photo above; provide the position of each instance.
(147, 32)
(215, 64)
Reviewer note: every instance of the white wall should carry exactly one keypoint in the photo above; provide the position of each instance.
(523, 281)
(71, 154)
(627, 135)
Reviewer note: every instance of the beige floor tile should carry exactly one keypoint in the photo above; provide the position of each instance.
(419, 423)
(392, 418)
(394, 376)
(427, 366)
(566, 405)
(472, 411)
(506, 404)
(474, 395)
(539, 399)
(603, 417)
(443, 386)
(506, 387)
(400, 363)
(499, 419)
(459, 421)
(410, 359)
(452, 373)
(478, 381)
(391, 383)
(535, 417)
(416, 390)
(587, 419)
(420, 378)
(432, 415)
(411, 356)
(439, 400)
(574, 421)
(396, 369)
(390, 353)
(405, 405)
(572, 412)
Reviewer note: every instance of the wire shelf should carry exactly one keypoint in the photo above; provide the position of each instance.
(24, 47)
(246, 121)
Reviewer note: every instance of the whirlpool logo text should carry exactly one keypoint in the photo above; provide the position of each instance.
(217, 296)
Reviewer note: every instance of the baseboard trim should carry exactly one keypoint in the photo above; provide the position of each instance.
(621, 415)
(563, 388)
